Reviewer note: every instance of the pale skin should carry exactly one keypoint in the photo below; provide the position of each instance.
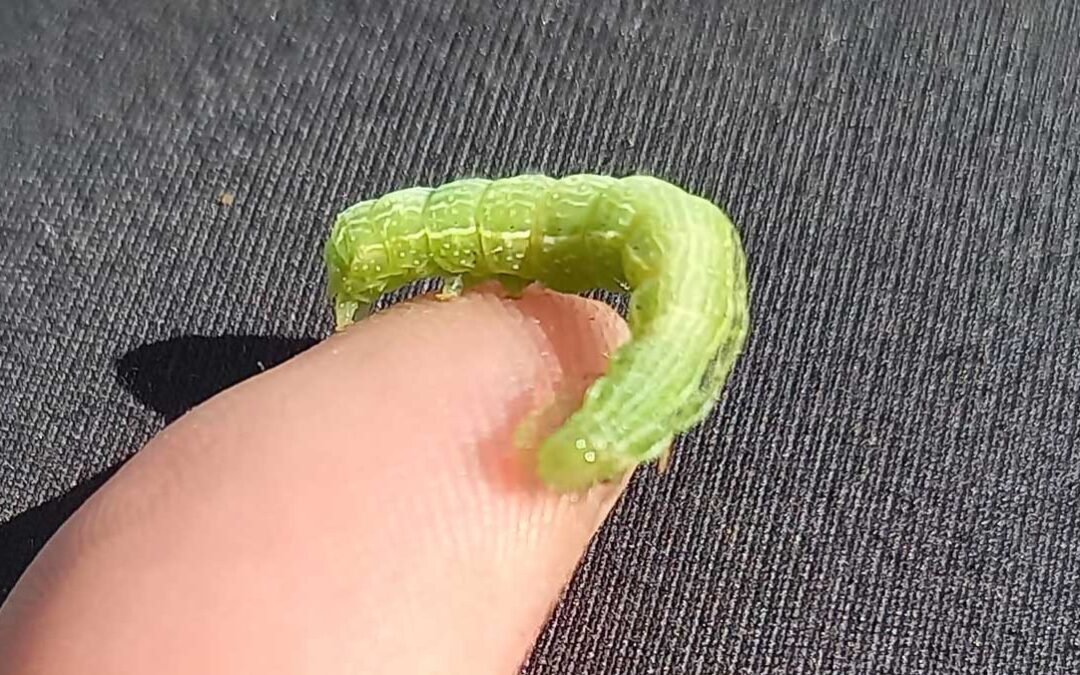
(360, 509)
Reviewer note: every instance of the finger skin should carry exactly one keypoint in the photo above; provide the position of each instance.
(359, 509)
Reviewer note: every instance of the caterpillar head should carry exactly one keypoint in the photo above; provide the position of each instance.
(572, 460)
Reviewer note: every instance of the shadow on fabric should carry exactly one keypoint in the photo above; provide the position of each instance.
(175, 375)
(170, 377)
(24, 535)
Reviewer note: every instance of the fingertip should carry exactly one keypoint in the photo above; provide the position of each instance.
(334, 512)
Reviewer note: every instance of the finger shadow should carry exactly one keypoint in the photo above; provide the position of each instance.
(22, 537)
(170, 377)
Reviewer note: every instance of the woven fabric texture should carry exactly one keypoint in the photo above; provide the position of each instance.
(892, 482)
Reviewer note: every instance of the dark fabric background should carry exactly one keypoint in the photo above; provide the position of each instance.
(892, 483)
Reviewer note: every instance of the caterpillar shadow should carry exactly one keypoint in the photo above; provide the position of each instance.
(170, 377)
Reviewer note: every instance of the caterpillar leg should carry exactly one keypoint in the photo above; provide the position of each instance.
(452, 287)
(455, 285)
(348, 312)
(664, 460)
(661, 454)
(514, 286)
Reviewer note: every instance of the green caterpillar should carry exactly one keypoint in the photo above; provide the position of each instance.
(679, 256)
